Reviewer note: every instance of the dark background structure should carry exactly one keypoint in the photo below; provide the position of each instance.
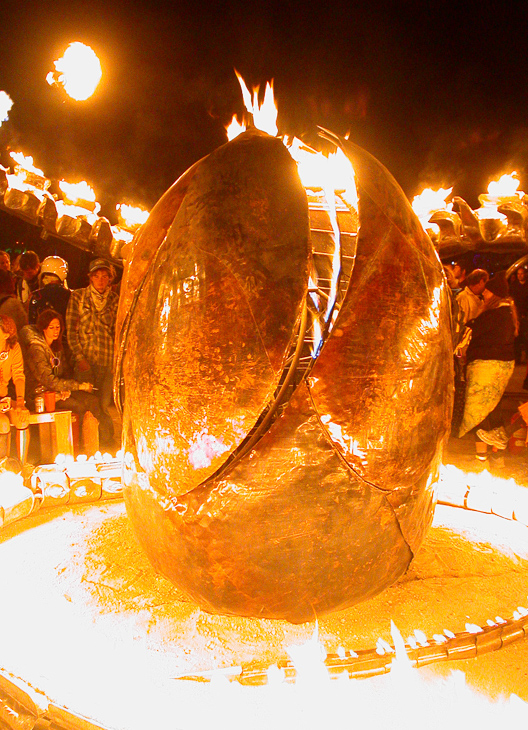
(435, 90)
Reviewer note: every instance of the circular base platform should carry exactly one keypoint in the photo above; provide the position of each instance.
(86, 620)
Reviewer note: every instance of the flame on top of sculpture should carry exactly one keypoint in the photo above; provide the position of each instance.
(283, 418)
(78, 71)
(499, 225)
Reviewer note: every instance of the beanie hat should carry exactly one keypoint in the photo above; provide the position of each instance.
(498, 285)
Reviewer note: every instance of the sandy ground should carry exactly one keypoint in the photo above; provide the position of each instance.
(85, 611)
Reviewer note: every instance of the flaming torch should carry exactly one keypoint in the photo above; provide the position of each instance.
(433, 203)
(5, 106)
(78, 71)
(502, 215)
(77, 212)
(131, 218)
(27, 193)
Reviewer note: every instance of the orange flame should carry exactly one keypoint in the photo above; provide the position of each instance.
(5, 106)
(265, 114)
(78, 71)
(131, 216)
(25, 163)
(75, 194)
(235, 128)
(505, 186)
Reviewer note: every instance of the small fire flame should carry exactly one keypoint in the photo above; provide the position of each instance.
(235, 128)
(76, 194)
(77, 191)
(265, 114)
(78, 71)
(120, 234)
(25, 163)
(24, 168)
(5, 106)
(132, 216)
(505, 186)
(429, 201)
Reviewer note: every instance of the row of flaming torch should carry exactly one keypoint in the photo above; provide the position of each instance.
(24, 191)
(500, 224)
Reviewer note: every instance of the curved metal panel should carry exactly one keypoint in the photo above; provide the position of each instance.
(289, 533)
(218, 310)
(382, 384)
(147, 242)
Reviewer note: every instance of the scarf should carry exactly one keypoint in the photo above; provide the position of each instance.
(99, 300)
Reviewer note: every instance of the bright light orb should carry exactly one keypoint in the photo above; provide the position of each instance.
(5, 106)
(78, 71)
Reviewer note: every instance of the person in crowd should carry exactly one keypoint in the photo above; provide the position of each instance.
(500, 435)
(29, 266)
(12, 370)
(461, 271)
(46, 366)
(470, 299)
(9, 303)
(490, 357)
(15, 266)
(53, 292)
(90, 324)
(519, 292)
(5, 261)
(458, 271)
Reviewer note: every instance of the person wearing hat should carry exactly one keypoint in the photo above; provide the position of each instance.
(490, 356)
(90, 327)
(27, 281)
(53, 292)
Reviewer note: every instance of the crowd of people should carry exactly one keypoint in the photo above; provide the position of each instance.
(491, 335)
(55, 340)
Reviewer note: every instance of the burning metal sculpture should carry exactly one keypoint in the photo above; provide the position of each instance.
(287, 384)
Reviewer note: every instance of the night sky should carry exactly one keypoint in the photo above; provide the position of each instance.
(435, 92)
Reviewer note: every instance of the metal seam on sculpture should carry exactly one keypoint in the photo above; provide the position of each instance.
(331, 443)
(262, 427)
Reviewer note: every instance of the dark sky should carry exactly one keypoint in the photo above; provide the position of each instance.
(436, 91)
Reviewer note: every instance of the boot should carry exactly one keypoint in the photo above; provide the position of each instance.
(5, 445)
(90, 434)
(22, 444)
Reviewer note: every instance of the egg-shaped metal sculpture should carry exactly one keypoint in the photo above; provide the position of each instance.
(262, 480)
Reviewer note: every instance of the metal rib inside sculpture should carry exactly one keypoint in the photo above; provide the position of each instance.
(286, 374)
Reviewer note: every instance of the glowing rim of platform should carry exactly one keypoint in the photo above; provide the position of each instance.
(20, 700)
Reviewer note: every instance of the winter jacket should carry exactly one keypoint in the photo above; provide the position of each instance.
(51, 296)
(12, 307)
(38, 364)
(493, 335)
(12, 368)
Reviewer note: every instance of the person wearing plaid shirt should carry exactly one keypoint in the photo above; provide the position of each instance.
(90, 324)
